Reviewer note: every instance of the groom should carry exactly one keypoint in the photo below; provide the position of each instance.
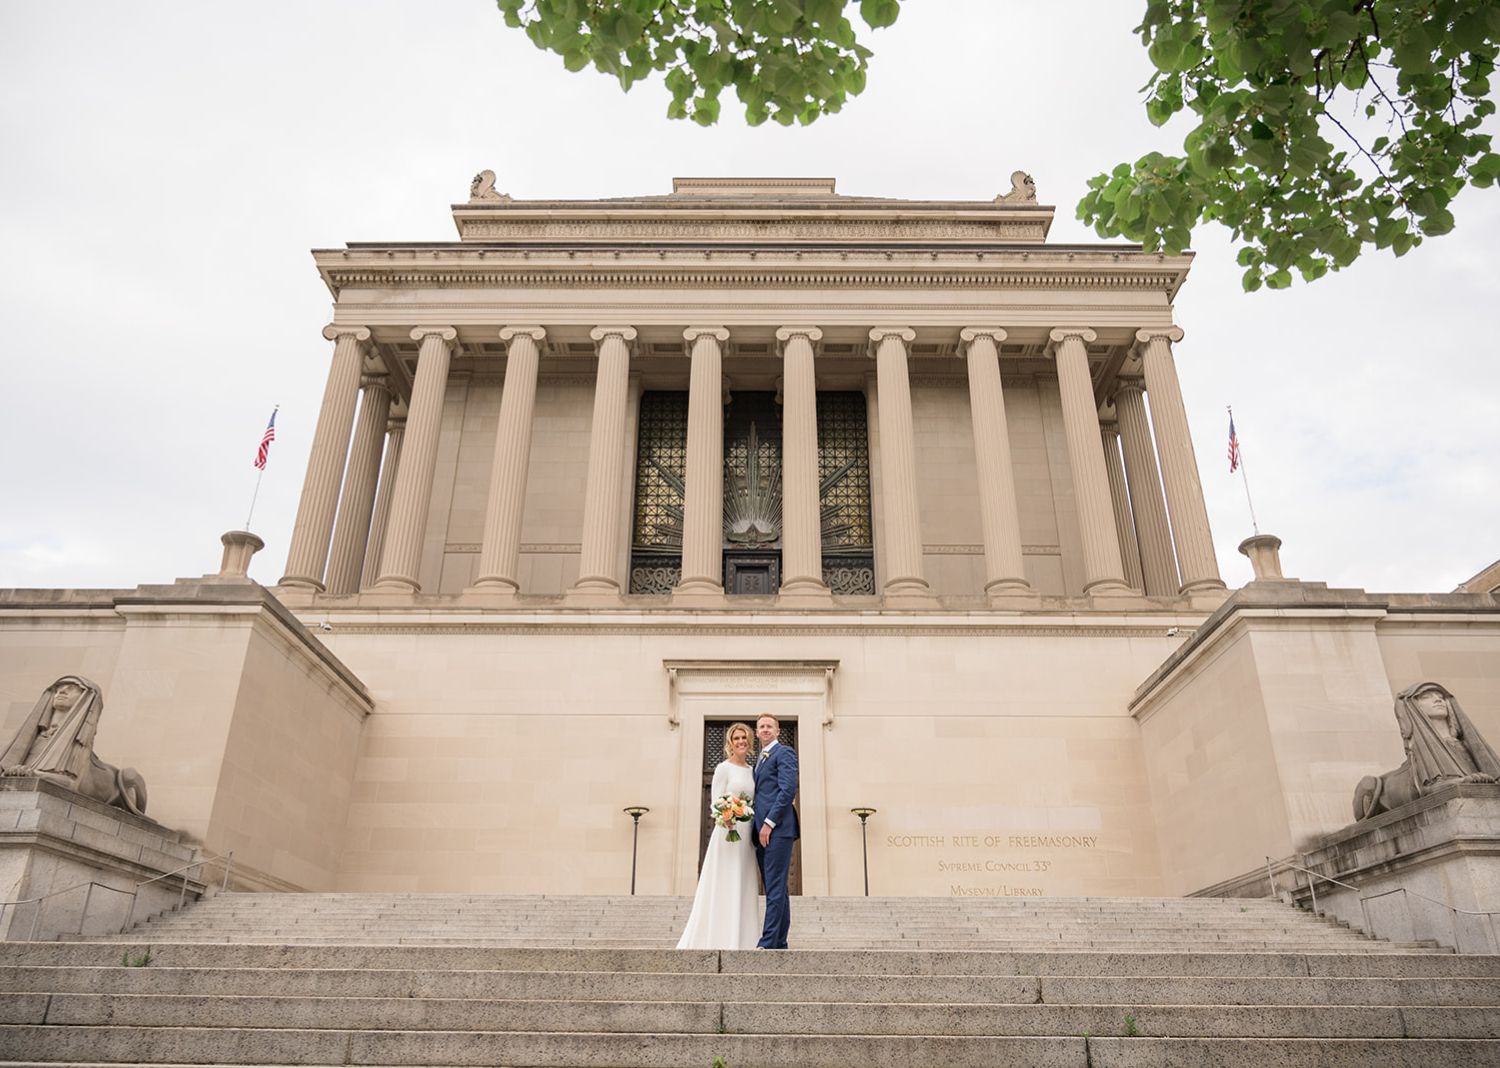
(775, 827)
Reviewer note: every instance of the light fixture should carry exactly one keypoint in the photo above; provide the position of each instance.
(635, 812)
(864, 814)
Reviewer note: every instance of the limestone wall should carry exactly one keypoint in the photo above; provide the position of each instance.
(244, 729)
(501, 754)
(1255, 734)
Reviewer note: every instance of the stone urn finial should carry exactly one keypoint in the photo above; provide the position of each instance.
(239, 547)
(1264, 551)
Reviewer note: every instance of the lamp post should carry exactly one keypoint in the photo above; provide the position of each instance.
(635, 812)
(864, 814)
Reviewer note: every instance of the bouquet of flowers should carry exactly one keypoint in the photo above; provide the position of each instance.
(729, 810)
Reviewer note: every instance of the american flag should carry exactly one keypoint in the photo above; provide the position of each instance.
(1234, 448)
(265, 442)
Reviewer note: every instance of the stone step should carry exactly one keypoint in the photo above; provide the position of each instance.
(1054, 962)
(746, 1017)
(796, 988)
(268, 1046)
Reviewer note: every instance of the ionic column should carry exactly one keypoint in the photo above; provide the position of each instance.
(1000, 518)
(401, 557)
(308, 554)
(351, 533)
(1104, 572)
(801, 515)
(703, 509)
(898, 464)
(1179, 468)
(395, 431)
(1119, 496)
(598, 565)
(500, 552)
(1153, 535)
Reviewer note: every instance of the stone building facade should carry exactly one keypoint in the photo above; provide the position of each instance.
(600, 477)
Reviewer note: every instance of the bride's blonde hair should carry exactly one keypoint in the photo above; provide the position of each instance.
(729, 738)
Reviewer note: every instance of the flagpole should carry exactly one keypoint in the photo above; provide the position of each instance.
(1243, 474)
(260, 463)
(258, 476)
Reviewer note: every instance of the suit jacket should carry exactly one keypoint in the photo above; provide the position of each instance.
(775, 787)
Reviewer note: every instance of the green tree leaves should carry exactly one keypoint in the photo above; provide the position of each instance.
(787, 60)
(1323, 126)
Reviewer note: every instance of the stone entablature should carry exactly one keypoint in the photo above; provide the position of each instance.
(1090, 269)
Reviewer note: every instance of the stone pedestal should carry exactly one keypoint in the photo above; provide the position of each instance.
(239, 547)
(1264, 551)
(52, 840)
(1444, 847)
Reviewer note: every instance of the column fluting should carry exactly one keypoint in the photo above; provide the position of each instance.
(395, 431)
(1119, 496)
(308, 555)
(598, 564)
(898, 463)
(1000, 518)
(801, 514)
(1153, 535)
(1104, 572)
(401, 557)
(1179, 468)
(703, 509)
(500, 552)
(351, 531)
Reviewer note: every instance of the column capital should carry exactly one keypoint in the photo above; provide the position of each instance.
(1168, 333)
(375, 381)
(334, 331)
(786, 333)
(536, 333)
(447, 333)
(626, 334)
(693, 333)
(969, 334)
(880, 333)
(1124, 383)
(1083, 333)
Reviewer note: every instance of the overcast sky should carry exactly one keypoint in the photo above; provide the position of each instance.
(168, 166)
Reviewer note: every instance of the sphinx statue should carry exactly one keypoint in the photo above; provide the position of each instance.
(483, 188)
(1442, 748)
(1022, 190)
(56, 743)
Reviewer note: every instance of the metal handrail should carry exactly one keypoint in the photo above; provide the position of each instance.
(134, 893)
(1364, 901)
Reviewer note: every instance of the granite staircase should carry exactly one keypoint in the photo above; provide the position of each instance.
(578, 982)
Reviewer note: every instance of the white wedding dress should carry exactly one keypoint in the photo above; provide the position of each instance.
(726, 911)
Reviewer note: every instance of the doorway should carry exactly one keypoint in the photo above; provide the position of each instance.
(713, 752)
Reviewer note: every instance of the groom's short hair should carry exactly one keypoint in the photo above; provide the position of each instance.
(770, 716)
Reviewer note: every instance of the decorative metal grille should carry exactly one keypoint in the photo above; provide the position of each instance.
(660, 471)
(849, 575)
(655, 574)
(752, 471)
(844, 476)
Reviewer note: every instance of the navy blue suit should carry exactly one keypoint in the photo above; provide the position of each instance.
(775, 787)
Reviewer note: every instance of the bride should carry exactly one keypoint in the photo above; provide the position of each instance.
(725, 909)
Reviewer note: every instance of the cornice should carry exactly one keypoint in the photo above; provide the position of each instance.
(1064, 275)
(719, 630)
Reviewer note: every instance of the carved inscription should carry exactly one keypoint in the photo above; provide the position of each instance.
(984, 857)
